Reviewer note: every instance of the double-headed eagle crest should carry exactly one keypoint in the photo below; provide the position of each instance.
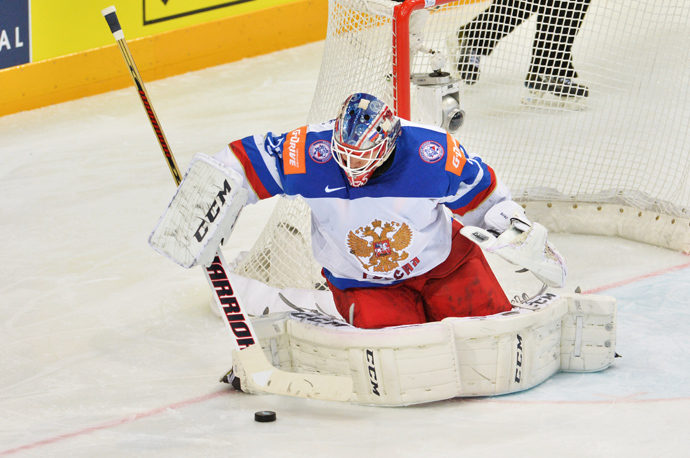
(384, 253)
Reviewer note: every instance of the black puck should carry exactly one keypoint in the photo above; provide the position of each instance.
(265, 416)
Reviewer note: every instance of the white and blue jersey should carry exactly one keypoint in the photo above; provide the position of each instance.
(396, 226)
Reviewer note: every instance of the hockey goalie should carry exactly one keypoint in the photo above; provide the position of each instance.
(400, 214)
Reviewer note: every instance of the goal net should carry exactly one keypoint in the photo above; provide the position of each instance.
(616, 162)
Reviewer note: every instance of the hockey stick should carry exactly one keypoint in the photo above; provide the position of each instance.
(245, 339)
(111, 18)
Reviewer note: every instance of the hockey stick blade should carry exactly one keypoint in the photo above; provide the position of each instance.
(271, 380)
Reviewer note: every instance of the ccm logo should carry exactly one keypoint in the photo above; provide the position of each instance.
(212, 212)
(542, 300)
(372, 373)
(518, 360)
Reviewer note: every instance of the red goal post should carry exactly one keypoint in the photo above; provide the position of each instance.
(401, 60)
(402, 64)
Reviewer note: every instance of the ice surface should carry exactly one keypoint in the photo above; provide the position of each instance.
(108, 349)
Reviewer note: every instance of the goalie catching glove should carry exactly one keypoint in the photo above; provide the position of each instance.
(511, 236)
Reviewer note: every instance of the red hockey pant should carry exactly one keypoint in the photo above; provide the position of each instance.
(462, 285)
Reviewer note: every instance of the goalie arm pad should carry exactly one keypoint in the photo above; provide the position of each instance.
(201, 214)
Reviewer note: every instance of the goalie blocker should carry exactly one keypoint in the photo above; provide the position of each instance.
(201, 214)
(457, 357)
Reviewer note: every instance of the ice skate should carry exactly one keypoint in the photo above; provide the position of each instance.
(555, 92)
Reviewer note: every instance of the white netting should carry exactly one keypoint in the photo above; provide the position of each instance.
(351, 62)
(282, 255)
(625, 145)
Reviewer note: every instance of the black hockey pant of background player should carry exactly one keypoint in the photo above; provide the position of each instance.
(557, 25)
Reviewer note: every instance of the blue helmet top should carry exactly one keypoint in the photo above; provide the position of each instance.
(364, 135)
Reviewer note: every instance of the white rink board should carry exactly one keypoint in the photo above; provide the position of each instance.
(108, 349)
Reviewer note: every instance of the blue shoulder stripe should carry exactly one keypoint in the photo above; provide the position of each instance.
(259, 163)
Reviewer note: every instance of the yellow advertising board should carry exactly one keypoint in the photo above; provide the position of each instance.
(61, 27)
(75, 55)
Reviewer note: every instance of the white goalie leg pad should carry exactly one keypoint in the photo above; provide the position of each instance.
(528, 249)
(423, 369)
(456, 357)
(201, 213)
(512, 351)
(520, 349)
(390, 366)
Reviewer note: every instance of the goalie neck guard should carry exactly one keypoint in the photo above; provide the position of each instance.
(364, 136)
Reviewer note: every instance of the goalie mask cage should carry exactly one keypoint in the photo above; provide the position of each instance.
(615, 163)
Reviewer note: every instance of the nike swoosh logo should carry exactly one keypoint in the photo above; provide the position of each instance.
(333, 189)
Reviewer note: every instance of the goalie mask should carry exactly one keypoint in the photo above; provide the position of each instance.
(364, 136)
